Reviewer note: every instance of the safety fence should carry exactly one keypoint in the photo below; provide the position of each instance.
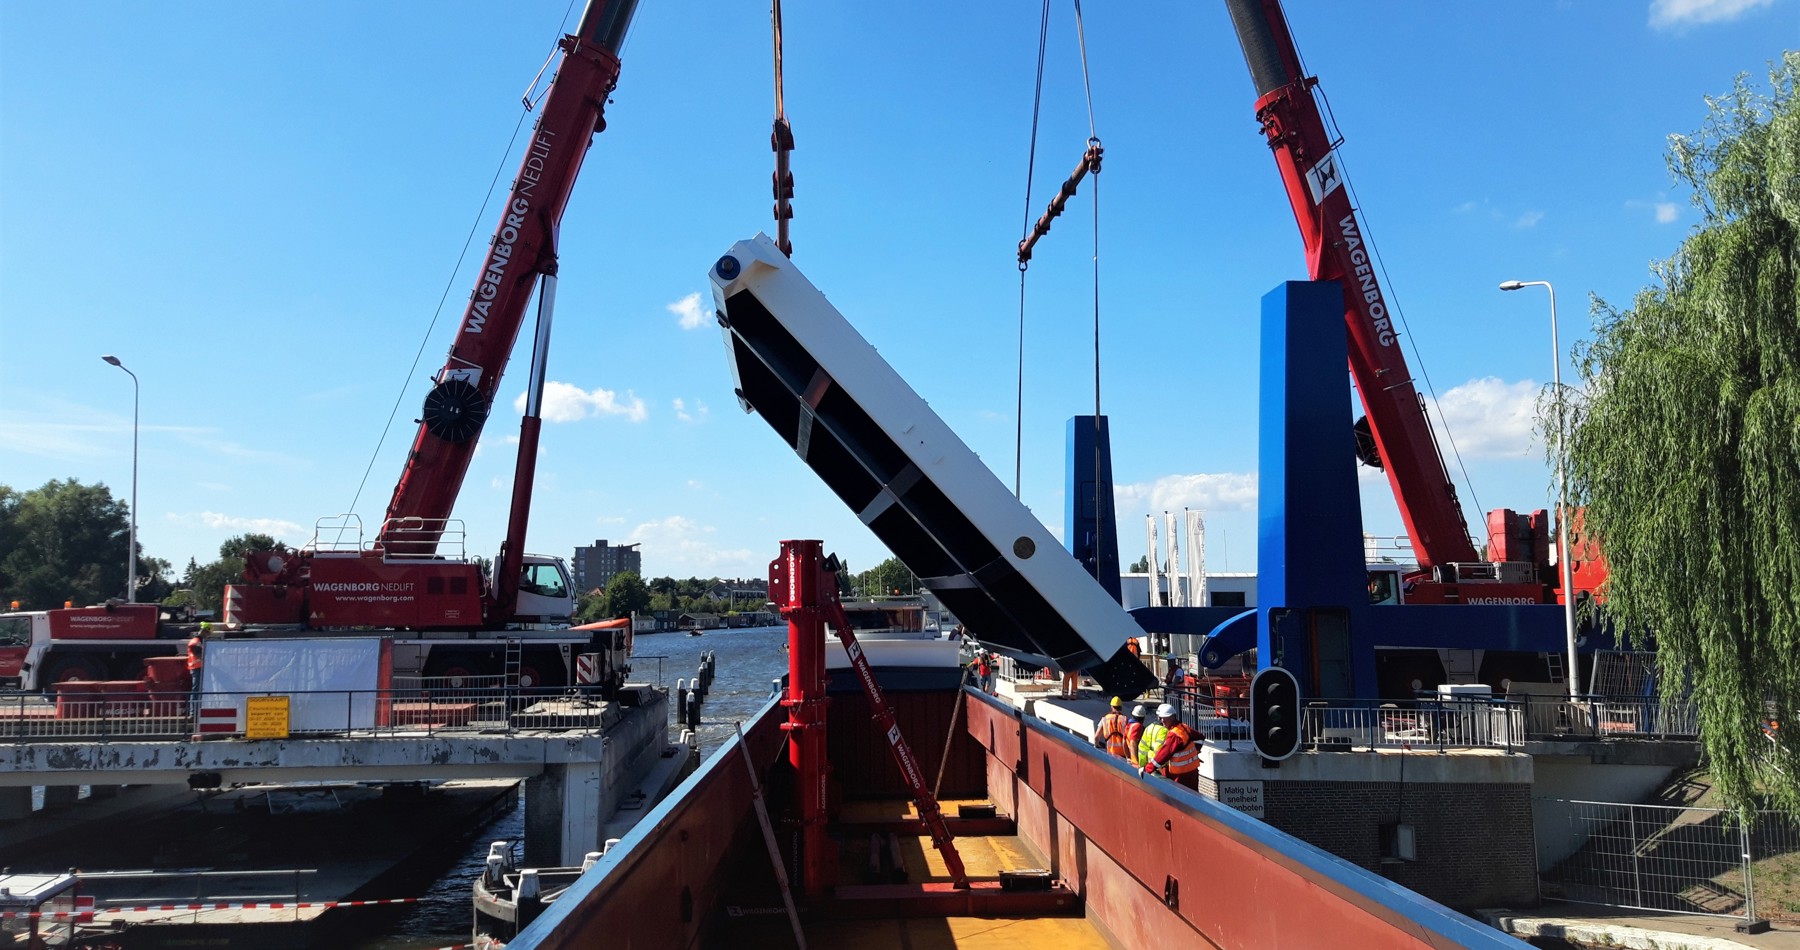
(418, 707)
(1674, 858)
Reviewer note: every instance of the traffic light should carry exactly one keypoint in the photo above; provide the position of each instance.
(1275, 713)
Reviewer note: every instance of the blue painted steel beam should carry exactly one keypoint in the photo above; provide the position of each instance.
(1089, 523)
(1313, 614)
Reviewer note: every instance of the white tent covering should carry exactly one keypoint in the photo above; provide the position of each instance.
(332, 684)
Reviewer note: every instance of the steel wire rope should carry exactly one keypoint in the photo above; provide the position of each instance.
(1337, 137)
(449, 282)
(1037, 102)
(1093, 141)
(781, 138)
(1418, 357)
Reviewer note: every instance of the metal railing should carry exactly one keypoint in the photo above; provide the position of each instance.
(1675, 858)
(135, 888)
(1359, 725)
(416, 708)
(1608, 717)
(1446, 722)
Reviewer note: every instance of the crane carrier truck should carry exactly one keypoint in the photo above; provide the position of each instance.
(446, 616)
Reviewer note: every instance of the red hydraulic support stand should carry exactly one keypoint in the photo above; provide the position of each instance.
(808, 595)
(795, 580)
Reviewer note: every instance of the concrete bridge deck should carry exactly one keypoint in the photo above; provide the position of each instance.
(574, 776)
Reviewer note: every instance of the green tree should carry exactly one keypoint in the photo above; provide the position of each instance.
(888, 577)
(1685, 448)
(626, 594)
(63, 542)
(1139, 566)
(208, 582)
(153, 578)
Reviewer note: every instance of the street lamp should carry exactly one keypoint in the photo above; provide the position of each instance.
(131, 560)
(1564, 558)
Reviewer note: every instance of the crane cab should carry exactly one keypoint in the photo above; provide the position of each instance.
(546, 592)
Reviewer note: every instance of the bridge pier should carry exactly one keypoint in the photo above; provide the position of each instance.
(562, 814)
(15, 802)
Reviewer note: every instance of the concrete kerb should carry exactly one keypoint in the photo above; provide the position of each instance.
(1596, 933)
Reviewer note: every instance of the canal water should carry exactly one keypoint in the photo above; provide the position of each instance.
(747, 663)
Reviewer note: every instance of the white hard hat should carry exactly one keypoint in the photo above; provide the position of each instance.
(1137, 712)
(1165, 711)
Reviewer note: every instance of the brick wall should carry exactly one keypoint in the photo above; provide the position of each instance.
(1473, 840)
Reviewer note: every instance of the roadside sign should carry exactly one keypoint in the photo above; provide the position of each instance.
(266, 717)
(1246, 797)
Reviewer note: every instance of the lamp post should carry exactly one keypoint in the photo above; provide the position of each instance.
(1563, 557)
(131, 560)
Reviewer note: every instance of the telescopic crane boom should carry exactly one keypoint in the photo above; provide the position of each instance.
(1337, 249)
(522, 250)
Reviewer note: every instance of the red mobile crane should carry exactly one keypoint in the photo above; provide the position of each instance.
(400, 581)
(1395, 435)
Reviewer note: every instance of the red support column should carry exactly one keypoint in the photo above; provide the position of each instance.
(798, 583)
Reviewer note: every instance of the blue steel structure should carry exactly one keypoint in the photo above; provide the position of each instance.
(1089, 522)
(1313, 612)
(1313, 615)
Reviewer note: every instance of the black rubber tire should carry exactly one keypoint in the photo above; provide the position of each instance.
(542, 669)
(456, 665)
(74, 667)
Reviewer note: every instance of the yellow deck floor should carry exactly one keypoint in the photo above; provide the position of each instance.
(983, 858)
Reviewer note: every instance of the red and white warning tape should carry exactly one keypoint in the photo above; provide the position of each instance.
(262, 905)
(208, 905)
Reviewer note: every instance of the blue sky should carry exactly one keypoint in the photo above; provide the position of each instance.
(257, 207)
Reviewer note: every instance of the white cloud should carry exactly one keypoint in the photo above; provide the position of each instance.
(69, 431)
(687, 311)
(1665, 212)
(1670, 14)
(1222, 492)
(686, 415)
(684, 547)
(270, 526)
(566, 402)
(1488, 417)
(1492, 212)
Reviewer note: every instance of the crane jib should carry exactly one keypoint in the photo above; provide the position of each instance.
(501, 255)
(1365, 275)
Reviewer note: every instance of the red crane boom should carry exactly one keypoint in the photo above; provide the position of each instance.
(1337, 249)
(522, 249)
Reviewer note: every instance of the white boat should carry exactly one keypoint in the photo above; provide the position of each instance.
(898, 633)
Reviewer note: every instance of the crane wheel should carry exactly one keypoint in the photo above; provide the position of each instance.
(68, 668)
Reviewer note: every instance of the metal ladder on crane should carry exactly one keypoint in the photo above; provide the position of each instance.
(1555, 662)
(514, 662)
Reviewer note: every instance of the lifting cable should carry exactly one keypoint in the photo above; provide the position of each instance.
(782, 141)
(1088, 165)
(1337, 138)
(450, 282)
